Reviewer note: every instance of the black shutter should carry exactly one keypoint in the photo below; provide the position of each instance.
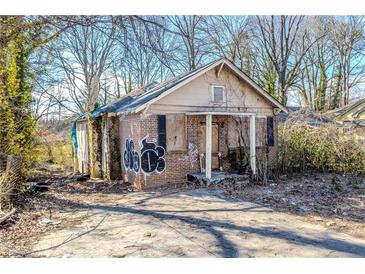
(161, 128)
(270, 131)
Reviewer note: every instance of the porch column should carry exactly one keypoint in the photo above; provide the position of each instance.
(208, 146)
(253, 144)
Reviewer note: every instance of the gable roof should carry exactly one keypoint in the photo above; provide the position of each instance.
(165, 88)
(169, 86)
(140, 98)
(284, 115)
(341, 111)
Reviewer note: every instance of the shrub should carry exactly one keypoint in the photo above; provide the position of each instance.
(54, 151)
(323, 148)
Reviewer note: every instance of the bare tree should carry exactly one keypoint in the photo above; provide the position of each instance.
(316, 69)
(194, 47)
(347, 37)
(139, 63)
(284, 41)
(229, 37)
(101, 58)
(82, 56)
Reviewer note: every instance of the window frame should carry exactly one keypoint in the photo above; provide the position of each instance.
(212, 93)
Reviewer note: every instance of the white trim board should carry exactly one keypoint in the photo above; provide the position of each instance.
(223, 113)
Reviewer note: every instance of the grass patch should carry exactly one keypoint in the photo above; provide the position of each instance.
(58, 152)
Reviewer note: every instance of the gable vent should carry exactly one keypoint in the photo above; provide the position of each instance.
(218, 94)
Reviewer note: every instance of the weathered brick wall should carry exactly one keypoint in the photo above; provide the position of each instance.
(111, 168)
(178, 164)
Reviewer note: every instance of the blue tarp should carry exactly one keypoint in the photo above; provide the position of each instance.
(74, 137)
(114, 107)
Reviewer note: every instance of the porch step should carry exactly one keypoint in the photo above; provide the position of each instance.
(218, 177)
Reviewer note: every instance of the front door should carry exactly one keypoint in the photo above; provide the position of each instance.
(215, 144)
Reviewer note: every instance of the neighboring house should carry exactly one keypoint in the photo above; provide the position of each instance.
(351, 119)
(212, 118)
(283, 116)
(349, 115)
(297, 115)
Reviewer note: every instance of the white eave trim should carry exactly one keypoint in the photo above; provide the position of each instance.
(257, 87)
(222, 113)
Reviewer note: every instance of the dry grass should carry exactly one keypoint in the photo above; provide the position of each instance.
(325, 198)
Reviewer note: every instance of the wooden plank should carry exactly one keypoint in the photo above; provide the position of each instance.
(83, 147)
(208, 148)
(253, 144)
(176, 132)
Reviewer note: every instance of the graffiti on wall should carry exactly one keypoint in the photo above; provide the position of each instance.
(193, 155)
(131, 157)
(151, 158)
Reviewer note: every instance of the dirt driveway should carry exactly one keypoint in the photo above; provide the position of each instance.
(196, 223)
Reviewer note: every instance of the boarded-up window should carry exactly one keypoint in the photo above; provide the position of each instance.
(176, 132)
(161, 128)
(270, 131)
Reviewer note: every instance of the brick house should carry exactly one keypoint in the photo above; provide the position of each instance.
(212, 118)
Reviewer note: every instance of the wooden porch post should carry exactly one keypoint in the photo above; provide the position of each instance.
(208, 146)
(253, 144)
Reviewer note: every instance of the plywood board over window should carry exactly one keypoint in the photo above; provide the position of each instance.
(176, 132)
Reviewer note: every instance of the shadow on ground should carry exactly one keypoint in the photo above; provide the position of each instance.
(227, 248)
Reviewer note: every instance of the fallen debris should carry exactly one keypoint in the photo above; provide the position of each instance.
(147, 234)
(39, 186)
(81, 178)
(330, 223)
(7, 216)
(46, 221)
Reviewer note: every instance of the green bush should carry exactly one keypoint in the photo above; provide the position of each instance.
(323, 148)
